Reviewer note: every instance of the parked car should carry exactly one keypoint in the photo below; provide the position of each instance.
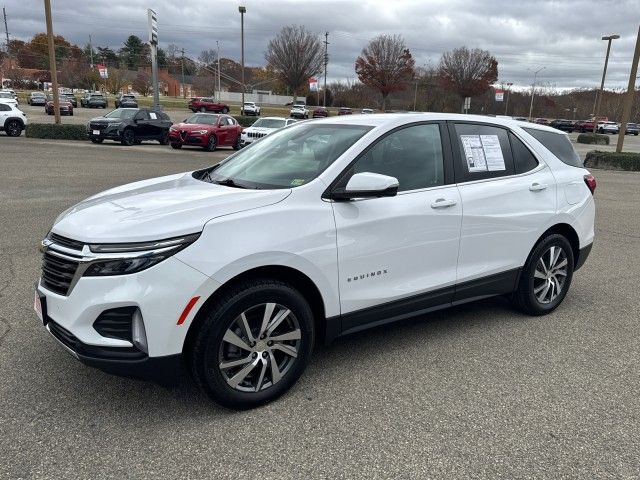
(37, 98)
(320, 112)
(562, 124)
(207, 104)
(632, 129)
(69, 97)
(126, 100)
(541, 121)
(366, 111)
(262, 128)
(7, 97)
(94, 100)
(12, 119)
(316, 231)
(344, 111)
(130, 126)
(206, 130)
(299, 111)
(249, 108)
(66, 107)
(608, 127)
(520, 119)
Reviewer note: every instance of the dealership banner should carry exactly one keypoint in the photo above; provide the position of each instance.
(102, 70)
(499, 95)
(313, 84)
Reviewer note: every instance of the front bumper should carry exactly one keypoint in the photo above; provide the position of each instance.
(186, 138)
(110, 132)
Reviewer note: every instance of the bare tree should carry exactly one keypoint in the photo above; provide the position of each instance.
(142, 83)
(467, 72)
(115, 82)
(386, 65)
(208, 57)
(295, 55)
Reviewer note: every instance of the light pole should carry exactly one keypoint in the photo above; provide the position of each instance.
(506, 104)
(533, 89)
(242, 11)
(604, 73)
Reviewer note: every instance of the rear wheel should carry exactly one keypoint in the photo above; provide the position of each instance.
(128, 137)
(546, 277)
(212, 143)
(225, 110)
(13, 128)
(253, 344)
(164, 139)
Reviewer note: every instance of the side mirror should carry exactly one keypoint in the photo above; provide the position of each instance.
(367, 185)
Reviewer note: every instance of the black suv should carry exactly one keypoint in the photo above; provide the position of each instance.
(130, 126)
(126, 100)
(562, 124)
(94, 100)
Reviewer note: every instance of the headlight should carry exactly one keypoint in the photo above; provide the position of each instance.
(199, 132)
(125, 258)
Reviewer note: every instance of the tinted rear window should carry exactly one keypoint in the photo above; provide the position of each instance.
(558, 144)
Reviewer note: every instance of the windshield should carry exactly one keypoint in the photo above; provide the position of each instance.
(5, 95)
(122, 113)
(288, 158)
(270, 123)
(558, 144)
(97, 96)
(203, 118)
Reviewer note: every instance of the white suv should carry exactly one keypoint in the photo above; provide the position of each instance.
(12, 119)
(319, 230)
(263, 127)
(249, 108)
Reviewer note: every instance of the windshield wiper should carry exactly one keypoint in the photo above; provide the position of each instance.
(227, 182)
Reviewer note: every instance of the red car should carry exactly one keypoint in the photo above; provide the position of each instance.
(207, 104)
(66, 108)
(206, 130)
(320, 112)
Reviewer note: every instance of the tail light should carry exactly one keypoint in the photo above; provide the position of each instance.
(590, 180)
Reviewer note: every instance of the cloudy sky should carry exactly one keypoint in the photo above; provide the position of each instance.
(563, 36)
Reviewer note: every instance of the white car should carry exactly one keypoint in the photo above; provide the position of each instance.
(319, 230)
(299, 111)
(7, 97)
(12, 119)
(249, 108)
(608, 127)
(262, 128)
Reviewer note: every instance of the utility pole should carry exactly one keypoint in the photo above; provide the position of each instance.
(219, 84)
(533, 89)
(604, 73)
(93, 85)
(506, 104)
(415, 96)
(326, 60)
(242, 11)
(52, 60)
(184, 90)
(6, 32)
(628, 101)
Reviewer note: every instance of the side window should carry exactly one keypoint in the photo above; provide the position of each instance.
(413, 155)
(523, 159)
(4, 107)
(230, 121)
(558, 144)
(142, 115)
(485, 152)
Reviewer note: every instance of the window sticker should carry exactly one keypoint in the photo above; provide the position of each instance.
(296, 182)
(153, 116)
(483, 153)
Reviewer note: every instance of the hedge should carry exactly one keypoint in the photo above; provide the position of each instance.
(629, 161)
(246, 121)
(56, 132)
(593, 138)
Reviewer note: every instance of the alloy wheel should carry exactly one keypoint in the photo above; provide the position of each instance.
(259, 347)
(13, 129)
(550, 274)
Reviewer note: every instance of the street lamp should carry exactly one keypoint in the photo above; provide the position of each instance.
(604, 73)
(533, 89)
(506, 104)
(242, 11)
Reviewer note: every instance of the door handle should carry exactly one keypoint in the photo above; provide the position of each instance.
(443, 203)
(536, 187)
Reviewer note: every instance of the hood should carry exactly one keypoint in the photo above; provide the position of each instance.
(106, 120)
(188, 127)
(261, 129)
(158, 208)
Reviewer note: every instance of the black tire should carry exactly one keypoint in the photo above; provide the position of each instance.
(207, 346)
(138, 141)
(176, 146)
(164, 139)
(97, 140)
(71, 114)
(225, 110)
(128, 137)
(212, 143)
(13, 128)
(236, 145)
(202, 109)
(524, 297)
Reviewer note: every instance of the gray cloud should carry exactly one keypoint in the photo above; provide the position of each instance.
(562, 36)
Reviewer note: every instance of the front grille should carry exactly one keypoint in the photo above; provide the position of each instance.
(98, 126)
(66, 242)
(115, 323)
(57, 273)
(256, 135)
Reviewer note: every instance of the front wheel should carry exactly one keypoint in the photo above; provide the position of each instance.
(164, 139)
(236, 145)
(176, 146)
(212, 143)
(546, 277)
(13, 128)
(252, 344)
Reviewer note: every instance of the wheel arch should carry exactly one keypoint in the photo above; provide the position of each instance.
(15, 119)
(566, 231)
(297, 279)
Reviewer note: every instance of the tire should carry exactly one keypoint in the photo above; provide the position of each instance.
(164, 140)
(535, 293)
(176, 146)
(211, 345)
(225, 110)
(128, 137)
(97, 140)
(71, 114)
(212, 143)
(236, 145)
(138, 141)
(202, 109)
(13, 128)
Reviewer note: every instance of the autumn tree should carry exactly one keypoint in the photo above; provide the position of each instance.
(386, 65)
(142, 83)
(115, 82)
(467, 73)
(295, 55)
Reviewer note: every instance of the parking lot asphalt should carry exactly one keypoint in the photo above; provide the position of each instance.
(478, 391)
